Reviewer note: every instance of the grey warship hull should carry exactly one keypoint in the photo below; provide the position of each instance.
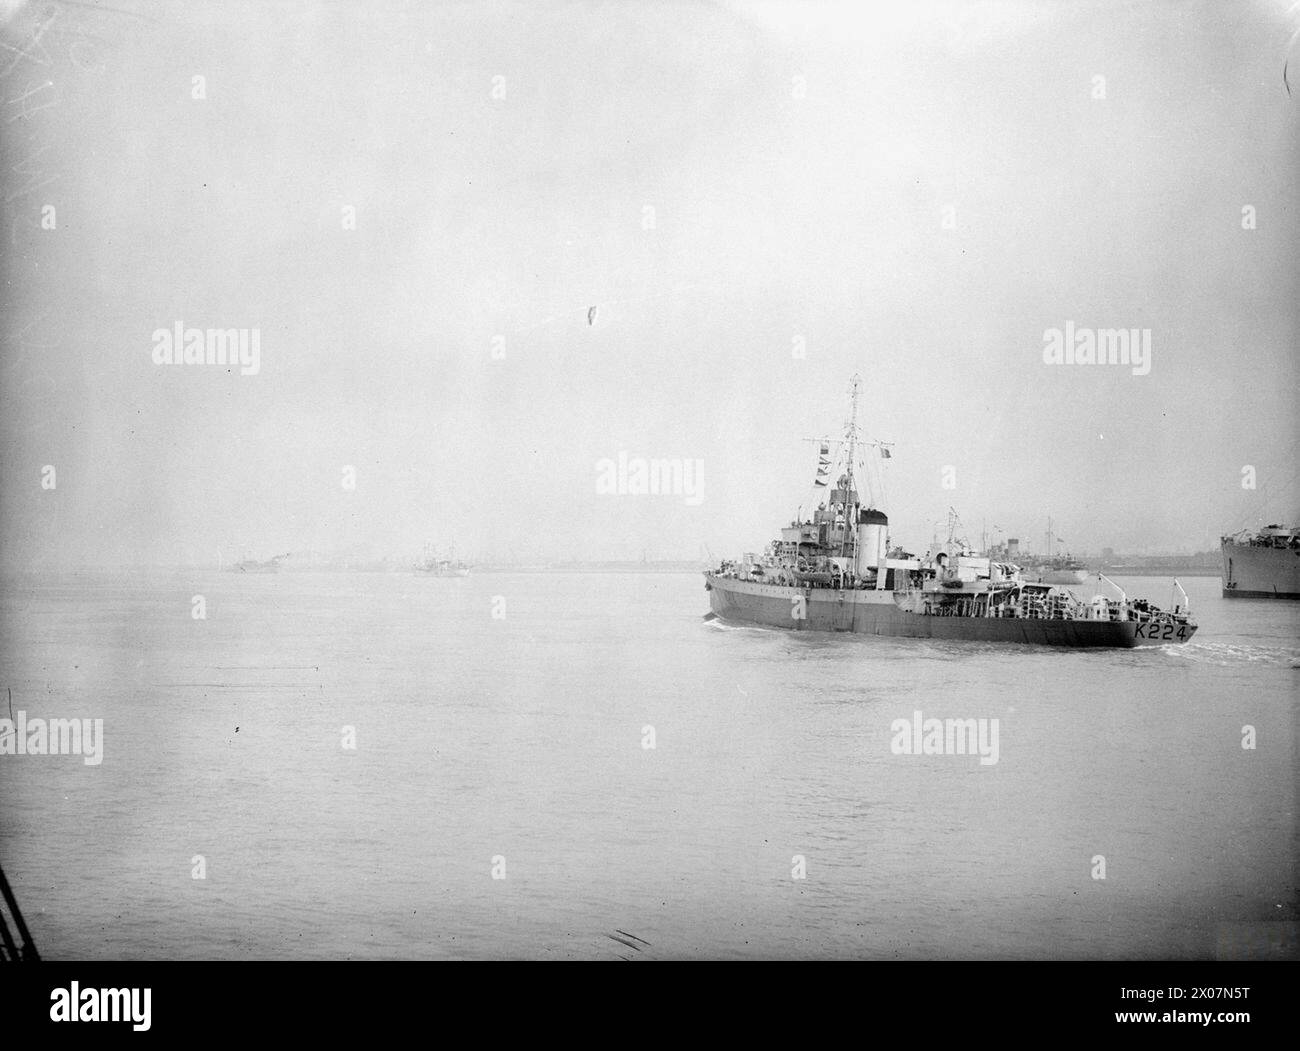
(875, 612)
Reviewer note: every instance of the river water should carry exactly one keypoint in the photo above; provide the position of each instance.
(579, 766)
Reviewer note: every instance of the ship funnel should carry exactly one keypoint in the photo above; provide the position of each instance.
(872, 526)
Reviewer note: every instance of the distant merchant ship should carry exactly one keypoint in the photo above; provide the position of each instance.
(833, 571)
(1262, 565)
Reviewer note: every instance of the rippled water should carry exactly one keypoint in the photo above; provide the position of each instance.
(522, 739)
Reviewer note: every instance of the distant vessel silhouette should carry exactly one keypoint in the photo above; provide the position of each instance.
(446, 566)
(271, 565)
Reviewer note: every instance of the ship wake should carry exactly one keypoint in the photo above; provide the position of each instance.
(1228, 653)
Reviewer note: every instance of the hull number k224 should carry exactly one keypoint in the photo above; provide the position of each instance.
(1157, 631)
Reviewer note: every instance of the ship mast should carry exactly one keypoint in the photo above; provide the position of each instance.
(851, 429)
(851, 438)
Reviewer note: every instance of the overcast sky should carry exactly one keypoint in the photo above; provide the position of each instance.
(912, 192)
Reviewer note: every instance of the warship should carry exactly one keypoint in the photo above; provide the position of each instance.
(835, 570)
(1265, 564)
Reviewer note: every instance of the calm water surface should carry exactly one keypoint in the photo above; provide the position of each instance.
(522, 739)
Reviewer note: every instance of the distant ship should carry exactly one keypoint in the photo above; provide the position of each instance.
(833, 570)
(271, 565)
(1262, 565)
(1059, 570)
(448, 566)
(1053, 569)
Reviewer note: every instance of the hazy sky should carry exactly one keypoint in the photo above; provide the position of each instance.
(913, 192)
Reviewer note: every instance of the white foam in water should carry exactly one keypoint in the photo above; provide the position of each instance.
(1230, 653)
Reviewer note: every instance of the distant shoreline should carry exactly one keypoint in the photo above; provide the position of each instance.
(1162, 571)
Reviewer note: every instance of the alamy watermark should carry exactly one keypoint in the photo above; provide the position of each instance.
(1100, 346)
(83, 737)
(179, 345)
(75, 1004)
(921, 736)
(637, 476)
